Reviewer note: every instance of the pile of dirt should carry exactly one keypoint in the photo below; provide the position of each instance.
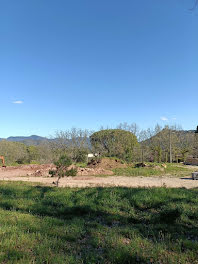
(106, 164)
(41, 170)
(27, 170)
(90, 171)
(100, 167)
(93, 171)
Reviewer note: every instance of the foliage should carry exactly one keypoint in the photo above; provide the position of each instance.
(62, 170)
(14, 152)
(74, 143)
(97, 225)
(80, 155)
(71, 172)
(63, 162)
(18, 153)
(114, 143)
(154, 145)
(81, 164)
(33, 153)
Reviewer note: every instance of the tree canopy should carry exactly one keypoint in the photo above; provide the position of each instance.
(114, 143)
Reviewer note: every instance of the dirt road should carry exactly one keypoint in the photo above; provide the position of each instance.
(39, 174)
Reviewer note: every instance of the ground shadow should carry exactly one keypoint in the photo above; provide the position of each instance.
(88, 206)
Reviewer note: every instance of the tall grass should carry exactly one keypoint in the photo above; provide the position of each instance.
(96, 225)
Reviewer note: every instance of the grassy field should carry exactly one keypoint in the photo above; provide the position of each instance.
(156, 170)
(97, 225)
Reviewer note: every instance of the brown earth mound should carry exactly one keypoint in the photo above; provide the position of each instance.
(106, 164)
(26, 170)
(91, 171)
(101, 167)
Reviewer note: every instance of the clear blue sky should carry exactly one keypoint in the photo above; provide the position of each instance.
(87, 63)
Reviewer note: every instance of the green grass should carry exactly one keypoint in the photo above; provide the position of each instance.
(97, 225)
(81, 164)
(172, 169)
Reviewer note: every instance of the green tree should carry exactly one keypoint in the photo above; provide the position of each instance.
(114, 143)
(33, 154)
(14, 152)
(62, 168)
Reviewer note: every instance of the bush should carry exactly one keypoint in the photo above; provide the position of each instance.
(63, 161)
(71, 172)
(80, 156)
(62, 170)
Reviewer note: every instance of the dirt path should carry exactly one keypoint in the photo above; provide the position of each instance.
(38, 173)
(111, 181)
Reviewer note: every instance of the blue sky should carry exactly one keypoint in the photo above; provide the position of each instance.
(88, 63)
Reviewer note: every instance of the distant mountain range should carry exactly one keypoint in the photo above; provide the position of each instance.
(31, 140)
(35, 140)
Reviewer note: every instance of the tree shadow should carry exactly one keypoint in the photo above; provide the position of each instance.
(87, 207)
(186, 178)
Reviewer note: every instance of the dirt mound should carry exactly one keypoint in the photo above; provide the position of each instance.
(106, 164)
(27, 170)
(90, 171)
(101, 167)
(93, 171)
(43, 171)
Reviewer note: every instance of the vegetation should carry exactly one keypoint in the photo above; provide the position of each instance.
(157, 146)
(154, 169)
(18, 153)
(97, 225)
(74, 143)
(62, 168)
(126, 142)
(114, 143)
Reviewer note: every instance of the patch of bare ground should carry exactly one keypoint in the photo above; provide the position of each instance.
(35, 170)
(93, 171)
(106, 164)
(87, 178)
(102, 166)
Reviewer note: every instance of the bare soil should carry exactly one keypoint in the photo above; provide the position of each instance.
(39, 174)
(26, 170)
(106, 164)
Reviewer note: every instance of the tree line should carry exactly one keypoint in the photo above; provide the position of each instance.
(126, 141)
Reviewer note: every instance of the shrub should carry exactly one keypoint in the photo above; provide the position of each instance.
(62, 168)
(80, 155)
(71, 172)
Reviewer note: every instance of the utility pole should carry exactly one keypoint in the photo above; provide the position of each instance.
(170, 146)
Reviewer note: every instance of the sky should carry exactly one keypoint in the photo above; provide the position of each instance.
(92, 63)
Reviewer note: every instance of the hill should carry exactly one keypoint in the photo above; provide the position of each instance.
(183, 136)
(31, 140)
(37, 140)
(181, 143)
